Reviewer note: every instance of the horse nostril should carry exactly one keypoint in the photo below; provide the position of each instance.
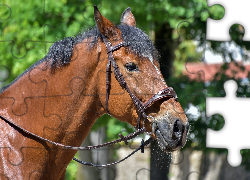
(178, 126)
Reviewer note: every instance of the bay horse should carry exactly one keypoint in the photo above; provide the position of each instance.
(60, 97)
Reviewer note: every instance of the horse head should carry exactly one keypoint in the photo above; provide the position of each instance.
(138, 63)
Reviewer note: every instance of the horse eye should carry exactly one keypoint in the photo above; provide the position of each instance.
(131, 67)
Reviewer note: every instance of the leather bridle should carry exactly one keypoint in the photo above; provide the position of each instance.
(141, 107)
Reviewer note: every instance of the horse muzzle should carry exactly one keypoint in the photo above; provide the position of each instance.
(170, 136)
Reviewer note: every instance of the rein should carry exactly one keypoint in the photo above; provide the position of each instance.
(114, 163)
(122, 138)
(141, 107)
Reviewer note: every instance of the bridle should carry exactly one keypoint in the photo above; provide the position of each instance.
(141, 107)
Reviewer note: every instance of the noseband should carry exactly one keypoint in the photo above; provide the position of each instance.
(141, 107)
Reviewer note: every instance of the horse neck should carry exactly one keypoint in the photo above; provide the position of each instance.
(61, 105)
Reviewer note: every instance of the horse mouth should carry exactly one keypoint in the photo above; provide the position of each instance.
(169, 140)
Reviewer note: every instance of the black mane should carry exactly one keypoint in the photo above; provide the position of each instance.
(60, 52)
(138, 42)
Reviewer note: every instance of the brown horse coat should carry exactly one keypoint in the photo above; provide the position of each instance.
(60, 100)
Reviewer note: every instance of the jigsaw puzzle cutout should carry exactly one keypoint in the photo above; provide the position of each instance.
(218, 30)
(235, 112)
(16, 161)
(47, 16)
(236, 12)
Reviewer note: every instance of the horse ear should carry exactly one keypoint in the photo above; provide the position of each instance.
(128, 18)
(104, 25)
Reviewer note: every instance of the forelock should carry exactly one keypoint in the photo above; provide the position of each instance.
(138, 42)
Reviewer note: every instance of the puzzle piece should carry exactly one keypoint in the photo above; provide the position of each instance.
(236, 12)
(140, 169)
(228, 137)
(6, 12)
(22, 20)
(177, 163)
(20, 159)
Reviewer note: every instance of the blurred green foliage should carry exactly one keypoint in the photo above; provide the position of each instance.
(28, 28)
